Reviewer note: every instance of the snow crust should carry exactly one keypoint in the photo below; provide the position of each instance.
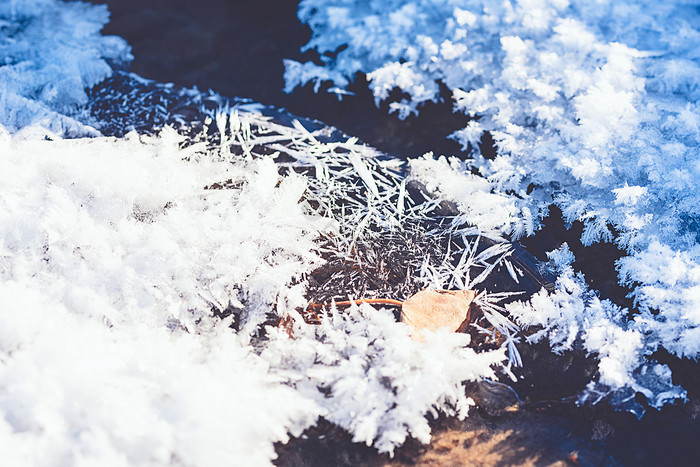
(593, 106)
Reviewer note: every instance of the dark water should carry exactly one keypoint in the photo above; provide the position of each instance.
(236, 48)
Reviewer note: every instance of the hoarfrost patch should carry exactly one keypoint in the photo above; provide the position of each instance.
(368, 376)
(52, 52)
(593, 106)
(113, 256)
(574, 316)
(130, 244)
(74, 390)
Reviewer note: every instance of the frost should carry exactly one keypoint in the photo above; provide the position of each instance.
(113, 255)
(75, 390)
(364, 355)
(142, 277)
(130, 247)
(298, 74)
(479, 203)
(571, 94)
(574, 316)
(129, 203)
(52, 51)
(669, 283)
(593, 107)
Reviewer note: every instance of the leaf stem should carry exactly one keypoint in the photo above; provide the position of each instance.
(375, 301)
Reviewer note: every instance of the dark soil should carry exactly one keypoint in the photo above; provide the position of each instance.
(236, 48)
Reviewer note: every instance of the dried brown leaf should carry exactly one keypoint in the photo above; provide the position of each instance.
(434, 309)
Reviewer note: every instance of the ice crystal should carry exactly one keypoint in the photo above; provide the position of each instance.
(363, 354)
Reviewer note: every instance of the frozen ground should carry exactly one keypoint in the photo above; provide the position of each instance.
(141, 273)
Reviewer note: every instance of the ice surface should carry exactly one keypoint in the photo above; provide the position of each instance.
(593, 106)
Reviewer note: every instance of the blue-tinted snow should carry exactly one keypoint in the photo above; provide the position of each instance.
(51, 53)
